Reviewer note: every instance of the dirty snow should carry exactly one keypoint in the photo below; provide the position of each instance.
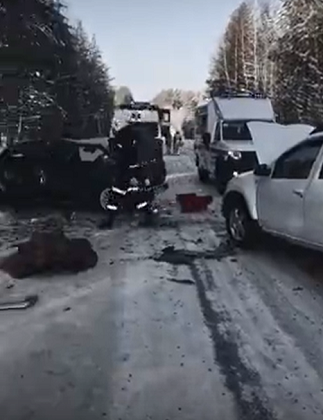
(241, 338)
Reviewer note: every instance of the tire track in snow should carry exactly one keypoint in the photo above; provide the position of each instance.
(243, 382)
(238, 376)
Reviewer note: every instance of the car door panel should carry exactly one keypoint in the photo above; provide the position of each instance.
(280, 197)
(62, 172)
(280, 207)
(313, 207)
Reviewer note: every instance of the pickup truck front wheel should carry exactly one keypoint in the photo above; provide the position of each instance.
(240, 227)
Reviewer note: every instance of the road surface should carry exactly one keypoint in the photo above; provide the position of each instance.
(237, 335)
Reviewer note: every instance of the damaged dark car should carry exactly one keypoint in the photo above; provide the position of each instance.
(60, 171)
(67, 171)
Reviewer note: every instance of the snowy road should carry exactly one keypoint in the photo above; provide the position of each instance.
(240, 338)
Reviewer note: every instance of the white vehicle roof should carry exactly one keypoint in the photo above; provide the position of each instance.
(123, 117)
(271, 139)
(245, 108)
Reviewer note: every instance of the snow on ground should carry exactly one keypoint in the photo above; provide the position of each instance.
(241, 340)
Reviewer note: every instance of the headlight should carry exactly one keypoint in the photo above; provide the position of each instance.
(234, 154)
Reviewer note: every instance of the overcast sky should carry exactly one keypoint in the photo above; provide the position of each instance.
(150, 45)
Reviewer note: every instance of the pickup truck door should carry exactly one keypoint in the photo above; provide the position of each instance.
(280, 197)
(313, 206)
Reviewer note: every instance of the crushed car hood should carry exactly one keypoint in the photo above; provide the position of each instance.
(271, 140)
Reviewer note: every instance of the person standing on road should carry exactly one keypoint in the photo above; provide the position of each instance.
(177, 142)
(168, 143)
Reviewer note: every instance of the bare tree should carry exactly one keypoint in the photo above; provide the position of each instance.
(123, 95)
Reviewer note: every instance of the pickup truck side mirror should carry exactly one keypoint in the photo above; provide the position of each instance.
(206, 139)
(262, 170)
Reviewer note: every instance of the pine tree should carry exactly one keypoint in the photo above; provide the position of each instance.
(43, 71)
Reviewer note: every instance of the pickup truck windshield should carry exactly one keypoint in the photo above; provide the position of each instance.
(236, 130)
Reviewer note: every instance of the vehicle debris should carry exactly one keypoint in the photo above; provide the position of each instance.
(182, 281)
(176, 256)
(192, 203)
(25, 303)
(186, 257)
(298, 289)
(50, 252)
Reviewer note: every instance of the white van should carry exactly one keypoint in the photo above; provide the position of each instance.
(223, 145)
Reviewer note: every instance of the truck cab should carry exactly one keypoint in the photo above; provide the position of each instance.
(224, 145)
(143, 123)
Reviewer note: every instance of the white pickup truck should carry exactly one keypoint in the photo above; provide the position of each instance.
(284, 194)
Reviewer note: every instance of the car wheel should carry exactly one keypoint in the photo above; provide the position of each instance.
(203, 175)
(240, 227)
(105, 198)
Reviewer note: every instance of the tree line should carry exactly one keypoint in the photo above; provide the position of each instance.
(275, 48)
(54, 82)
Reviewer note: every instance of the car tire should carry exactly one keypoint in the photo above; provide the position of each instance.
(241, 228)
(203, 175)
(105, 198)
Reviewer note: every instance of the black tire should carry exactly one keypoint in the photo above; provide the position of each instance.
(104, 198)
(241, 229)
(203, 175)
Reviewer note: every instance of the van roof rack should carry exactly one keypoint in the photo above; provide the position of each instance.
(237, 93)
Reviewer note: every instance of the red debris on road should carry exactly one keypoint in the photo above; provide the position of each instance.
(192, 203)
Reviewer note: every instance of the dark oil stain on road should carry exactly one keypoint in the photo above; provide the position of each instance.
(226, 354)
(185, 257)
(182, 281)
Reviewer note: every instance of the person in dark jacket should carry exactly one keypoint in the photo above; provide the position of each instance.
(177, 141)
(168, 143)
